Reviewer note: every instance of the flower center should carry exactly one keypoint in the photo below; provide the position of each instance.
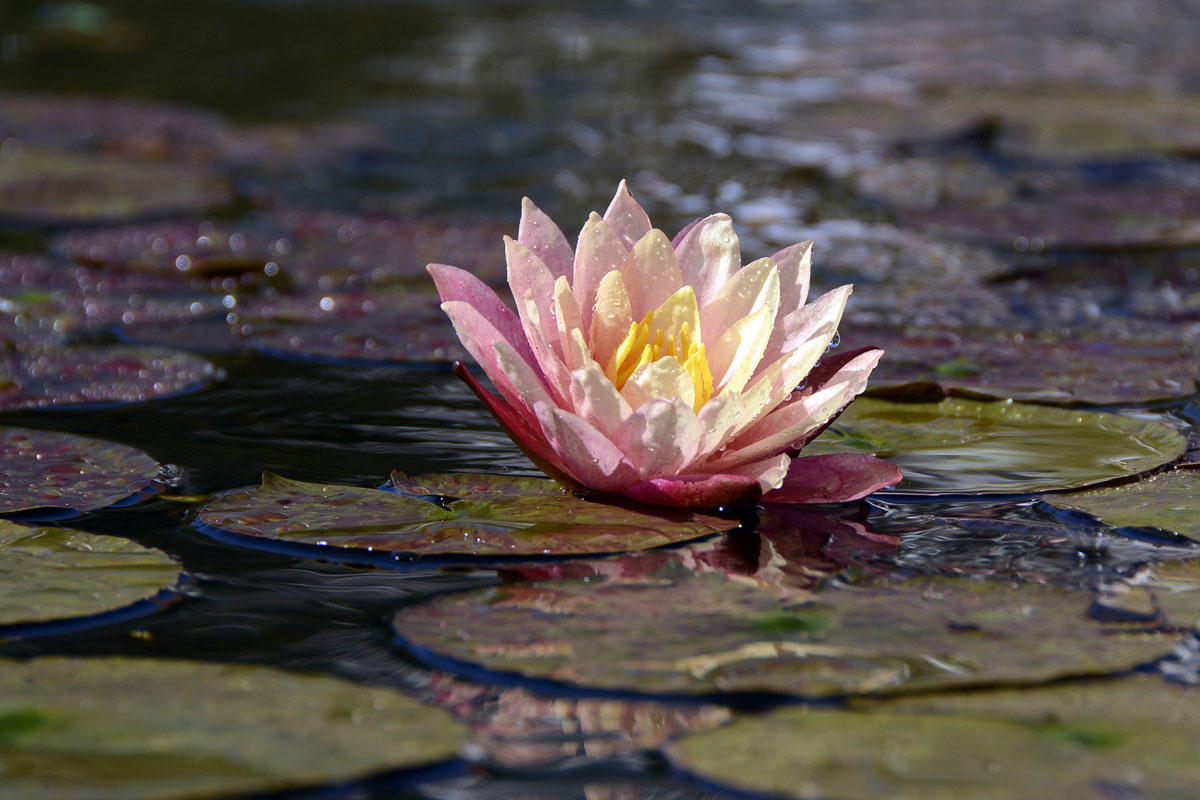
(639, 348)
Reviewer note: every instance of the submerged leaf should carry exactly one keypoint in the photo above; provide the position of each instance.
(131, 728)
(1170, 502)
(677, 631)
(50, 573)
(1135, 737)
(965, 446)
(499, 517)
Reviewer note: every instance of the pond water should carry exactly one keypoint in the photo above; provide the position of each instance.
(214, 222)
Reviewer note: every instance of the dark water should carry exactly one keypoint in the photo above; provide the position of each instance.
(788, 115)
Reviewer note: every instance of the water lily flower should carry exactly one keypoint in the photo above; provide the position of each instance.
(662, 369)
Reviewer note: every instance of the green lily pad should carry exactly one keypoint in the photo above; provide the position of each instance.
(45, 187)
(1134, 737)
(701, 633)
(1029, 367)
(501, 522)
(46, 469)
(128, 728)
(50, 573)
(1170, 502)
(49, 375)
(961, 446)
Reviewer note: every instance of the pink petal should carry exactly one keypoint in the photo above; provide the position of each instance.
(525, 434)
(660, 437)
(679, 237)
(819, 318)
(794, 265)
(599, 252)
(458, 284)
(650, 273)
(798, 421)
(539, 233)
(585, 451)
(626, 218)
(834, 478)
(695, 491)
(708, 256)
(479, 338)
(529, 278)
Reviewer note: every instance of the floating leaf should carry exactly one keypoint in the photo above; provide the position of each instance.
(546, 521)
(677, 631)
(44, 187)
(46, 375)
(968, 447)
(127, 728)
(49, 573)
(1132, 737)
(1170, 502)
(46, 469)
(1029, 367)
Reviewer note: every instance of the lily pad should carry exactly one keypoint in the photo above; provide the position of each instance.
(378, 326)
(1030, 367)
(682, 632)
(46, 469)
(1170, 502)
(46, 375)
(1134, 737)
(128, 728)
(961, 446)
(50, 573)
(495, 522)
(44, 187)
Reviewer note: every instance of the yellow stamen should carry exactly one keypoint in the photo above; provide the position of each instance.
(637, 349)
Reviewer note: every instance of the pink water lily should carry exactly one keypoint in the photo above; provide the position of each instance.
(664, 370)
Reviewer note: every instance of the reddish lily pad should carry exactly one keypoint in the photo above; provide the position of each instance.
(487, 523)
(134, 728)
(45, 375)
(701, 634)
(45, 469)
(1169, 501)
(119, 127)
(378, 326)
(961, 446)
(52, 573)
(1133, 737)
(1030, 367)
(317, 251)
(43, 187)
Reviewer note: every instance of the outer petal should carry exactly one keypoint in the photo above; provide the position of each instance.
(806, 322)
(525, 433)
(651, 273)
(769, 472)
(479, 337)
(599, 252)
(696, 491)
(660, 437)
(709, 256)
(769, 388)
(834, 478)
(533, 289)
(793, 424)
(458, 284)
(539, 233)
(627, 219)
(585, 451)
(794, 265)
